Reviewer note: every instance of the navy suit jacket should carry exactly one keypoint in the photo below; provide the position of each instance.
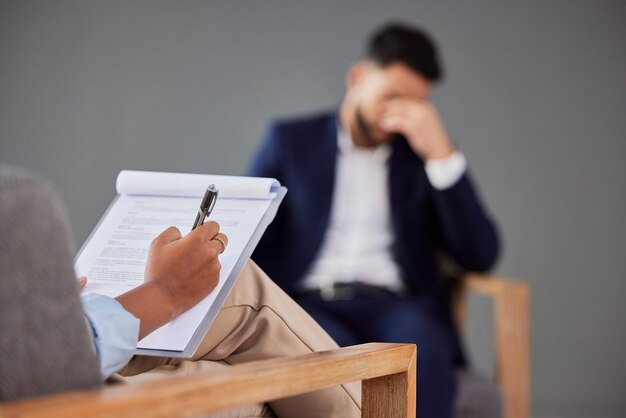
(302, 154)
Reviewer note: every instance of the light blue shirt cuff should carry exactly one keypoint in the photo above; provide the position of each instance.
(115, 332)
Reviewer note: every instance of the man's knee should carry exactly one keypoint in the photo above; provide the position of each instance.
(252, 276)
(252, 286)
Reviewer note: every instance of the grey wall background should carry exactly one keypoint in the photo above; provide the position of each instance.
(535, 95)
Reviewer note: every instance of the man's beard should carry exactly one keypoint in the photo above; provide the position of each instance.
(366, 131)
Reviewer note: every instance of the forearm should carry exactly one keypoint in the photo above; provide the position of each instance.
(150, 305)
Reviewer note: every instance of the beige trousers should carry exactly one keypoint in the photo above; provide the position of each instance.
(260, 321)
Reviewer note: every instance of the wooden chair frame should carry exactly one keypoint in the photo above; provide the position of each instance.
(511, 335)
(387, 370)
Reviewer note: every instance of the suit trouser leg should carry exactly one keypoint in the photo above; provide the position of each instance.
(259, 321)
(406, 321)
(392, 318)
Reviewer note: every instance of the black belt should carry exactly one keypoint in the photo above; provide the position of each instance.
(348, 290)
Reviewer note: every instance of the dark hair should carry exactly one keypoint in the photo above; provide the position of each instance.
(396, 42)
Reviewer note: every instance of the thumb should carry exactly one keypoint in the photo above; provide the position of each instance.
(82, 282)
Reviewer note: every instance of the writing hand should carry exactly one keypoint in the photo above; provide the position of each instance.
(186, 268)
(180, 272)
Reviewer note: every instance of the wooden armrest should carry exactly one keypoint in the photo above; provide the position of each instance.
(492, 286)
(381, 366)
(511, 327)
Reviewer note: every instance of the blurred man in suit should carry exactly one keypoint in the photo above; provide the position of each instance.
(377, 192)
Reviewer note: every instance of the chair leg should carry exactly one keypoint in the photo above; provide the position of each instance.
(392, 396)
(512, 349)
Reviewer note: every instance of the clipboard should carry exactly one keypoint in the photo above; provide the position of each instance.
(135, 186)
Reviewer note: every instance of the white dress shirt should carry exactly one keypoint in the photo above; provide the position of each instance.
(358, 243)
